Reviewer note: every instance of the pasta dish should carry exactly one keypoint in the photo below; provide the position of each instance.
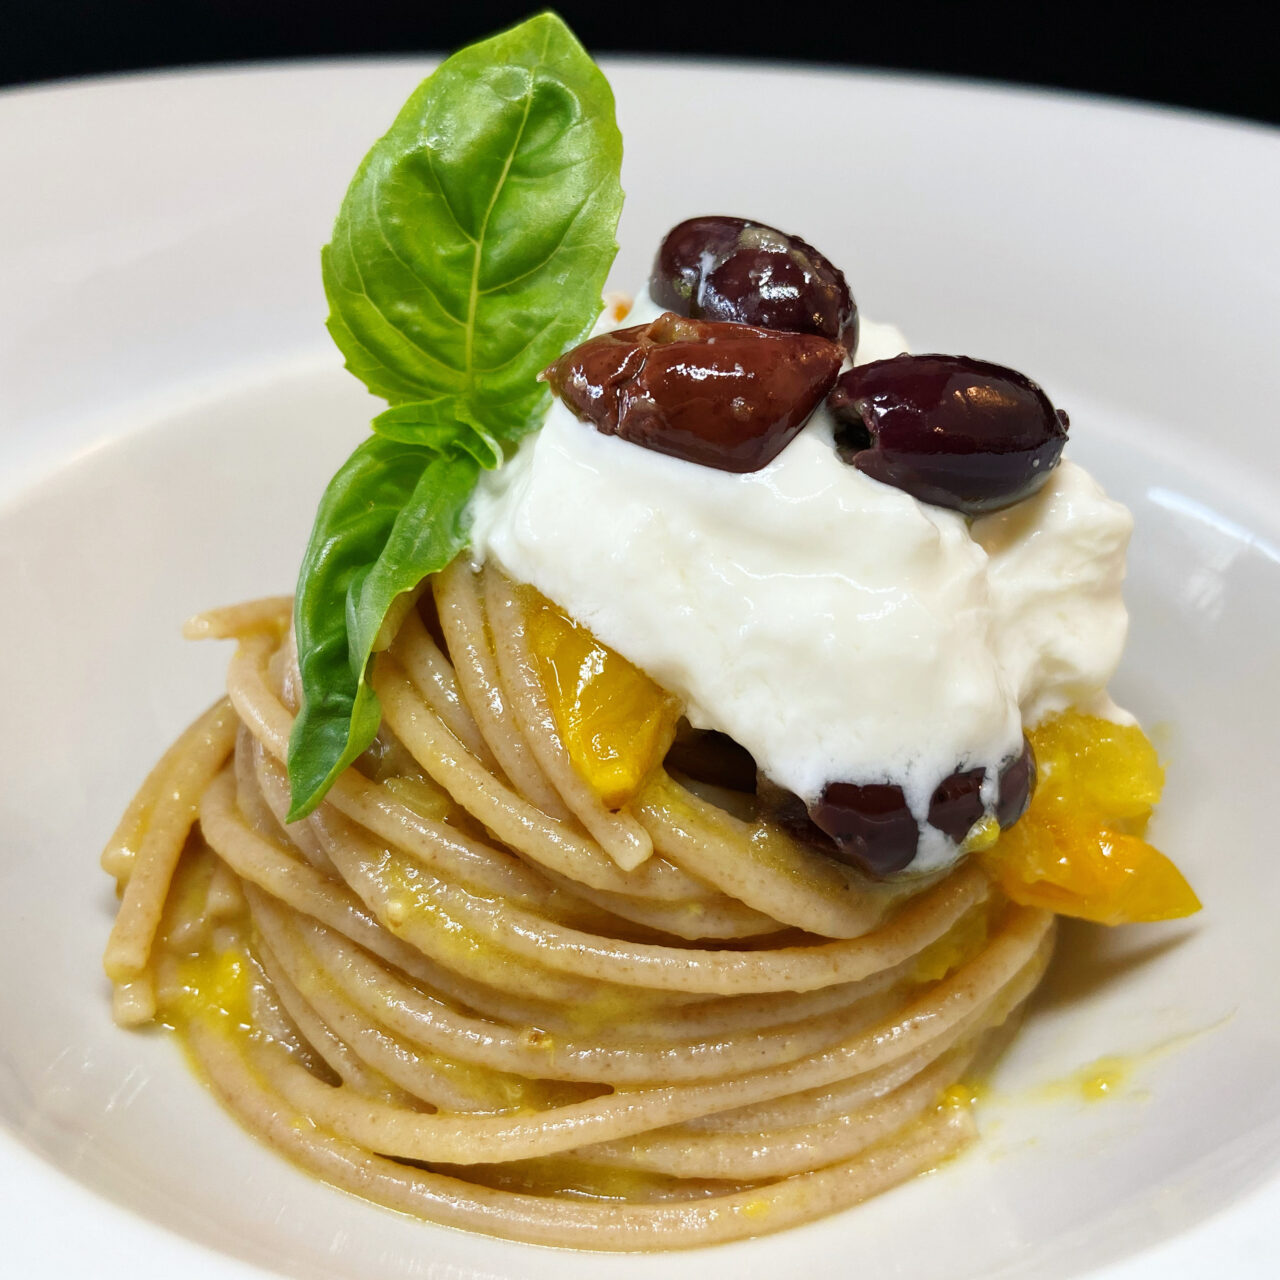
(656, 800)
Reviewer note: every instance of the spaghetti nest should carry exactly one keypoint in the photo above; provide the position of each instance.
(445, 992)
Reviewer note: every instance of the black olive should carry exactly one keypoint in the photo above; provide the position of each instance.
(728, 396)
(956, 804)
(871, 825)
(1017, 786)
(948, 430)
(721, 268)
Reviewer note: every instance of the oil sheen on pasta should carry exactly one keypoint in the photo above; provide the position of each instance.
(440, 991)
(443, 991)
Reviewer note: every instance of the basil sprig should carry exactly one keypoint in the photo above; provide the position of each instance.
(471, 249)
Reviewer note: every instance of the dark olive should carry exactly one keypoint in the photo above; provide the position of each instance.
(871, 825)
(1017, 785)
(721, 268)
(865, 827)
(728, 396)
(948, 430)
(708, 756)
(956, 804)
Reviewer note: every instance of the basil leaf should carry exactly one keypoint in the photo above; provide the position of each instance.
(393, 513)
(441, 425)
(471, 249)
(474, 241)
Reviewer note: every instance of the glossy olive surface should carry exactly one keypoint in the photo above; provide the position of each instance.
(728, 396)
(870, 824)
(1017, 786)
(949, 430)
(956, 804)
(871, 827)
(723, 268)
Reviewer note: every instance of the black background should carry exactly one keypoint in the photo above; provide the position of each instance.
(1213, 57)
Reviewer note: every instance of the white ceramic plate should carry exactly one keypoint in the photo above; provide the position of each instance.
(171, 406)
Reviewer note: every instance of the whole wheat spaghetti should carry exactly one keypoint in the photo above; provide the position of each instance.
(444, 990)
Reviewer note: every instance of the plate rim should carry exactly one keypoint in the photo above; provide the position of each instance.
(1235, 1235)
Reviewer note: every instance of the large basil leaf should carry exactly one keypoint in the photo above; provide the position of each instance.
(440, 425)
(471, 249)
(393, 513)
(475, 238)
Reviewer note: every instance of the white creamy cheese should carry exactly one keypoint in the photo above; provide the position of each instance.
(834, 626)
(1056, 562)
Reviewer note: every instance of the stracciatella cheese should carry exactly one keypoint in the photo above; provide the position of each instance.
(836, 627)
(1055, 565)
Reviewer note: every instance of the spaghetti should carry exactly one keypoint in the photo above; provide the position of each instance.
(467, 990)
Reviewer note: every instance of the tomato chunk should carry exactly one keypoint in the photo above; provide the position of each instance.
(1079, 849)
(615, 722)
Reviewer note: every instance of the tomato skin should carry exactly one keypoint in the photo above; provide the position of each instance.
(1079, 849)
(614, 721)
